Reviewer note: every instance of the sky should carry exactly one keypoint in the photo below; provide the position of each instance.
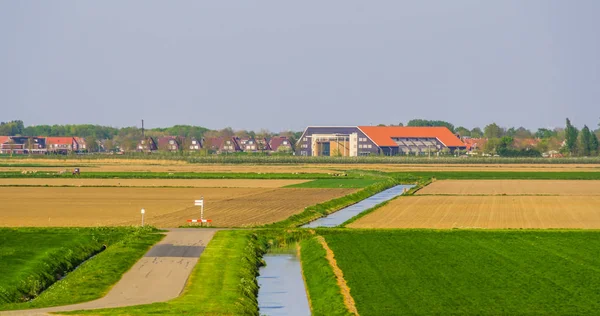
(284, 65)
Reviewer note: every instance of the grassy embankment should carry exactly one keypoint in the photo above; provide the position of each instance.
(323, 290)
(224, 280)
(470, 272)
(32, 259)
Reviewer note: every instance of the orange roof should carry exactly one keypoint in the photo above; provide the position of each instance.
(4, 139)
(59, 140)
(382, 135)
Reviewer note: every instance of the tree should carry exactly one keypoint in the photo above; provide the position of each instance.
(544, 133)
(402, 124)
(463, 131)
(91, 144)
(585, 141)
(594, 144)
(491, 146)
(522, 132)
(570, 137)
(420, 122)
(381, 125)
(493, 131)
(476, 133)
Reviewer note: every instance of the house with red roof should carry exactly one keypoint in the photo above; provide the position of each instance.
(222, 144)
(281, 143)
(376, 140)
(61, 145)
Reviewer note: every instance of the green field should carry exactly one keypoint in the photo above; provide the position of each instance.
(32, 259)
(336, 183)
(393, 272)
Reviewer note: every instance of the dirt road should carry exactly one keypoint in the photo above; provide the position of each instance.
(159, 276)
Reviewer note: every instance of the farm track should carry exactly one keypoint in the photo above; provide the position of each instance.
(159, 276)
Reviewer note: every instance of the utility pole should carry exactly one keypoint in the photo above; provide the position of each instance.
(142, 128)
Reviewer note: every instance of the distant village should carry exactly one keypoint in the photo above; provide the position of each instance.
(148, 144)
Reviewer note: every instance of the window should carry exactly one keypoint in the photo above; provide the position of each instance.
(370, 146)
(305, 139)
(196, 147)
(285, 142)
(362, 139)
(360, 146)
(304, 145)
(171, 142)
(193, 142)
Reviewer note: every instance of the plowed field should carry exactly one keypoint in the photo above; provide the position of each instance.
(194, 183)
(486, 212)
(165, 207)
(512, 187)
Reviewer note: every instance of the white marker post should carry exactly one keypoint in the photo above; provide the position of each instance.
(201, 204)
(143, 211)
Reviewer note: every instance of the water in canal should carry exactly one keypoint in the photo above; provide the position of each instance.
(282, 290)
(339, 217)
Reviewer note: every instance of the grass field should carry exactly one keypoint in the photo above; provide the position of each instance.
(512, 187)
(165, 207)
(470, 272)
(31, 259)
(336, 183)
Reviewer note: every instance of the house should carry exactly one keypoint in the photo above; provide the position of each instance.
(222, 144)
(263, 144)
(81, 145)
(61, 145)
(474, 145)
(249, 144)
(22, 145)
(170, 143)
(147, 144)
(376, 140)
(280, 143)
(194, 144)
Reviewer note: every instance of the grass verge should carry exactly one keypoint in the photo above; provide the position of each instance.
(336, 183)
(323, 290)
(50, 253)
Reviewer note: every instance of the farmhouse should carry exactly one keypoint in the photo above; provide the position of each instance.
(280, 143)
(61, 144)
(147, 144)
(376, 140)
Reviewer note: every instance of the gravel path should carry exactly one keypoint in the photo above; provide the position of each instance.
(159, 276)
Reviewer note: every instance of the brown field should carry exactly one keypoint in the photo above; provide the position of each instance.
(512, 187)
(192, 183)
(486, 212)
(165, 207)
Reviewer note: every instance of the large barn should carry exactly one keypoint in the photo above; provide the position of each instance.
(376, 140)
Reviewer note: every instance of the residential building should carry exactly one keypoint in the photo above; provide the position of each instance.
(280, 143)
(147, 144)
(61, 145)
(170, 143)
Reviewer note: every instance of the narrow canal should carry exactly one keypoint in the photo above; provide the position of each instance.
(339, 217)
(282, 290)
(281, 284)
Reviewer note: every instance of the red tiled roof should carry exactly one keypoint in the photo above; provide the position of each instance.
(59, 140)
(382, 135)
(4, 139)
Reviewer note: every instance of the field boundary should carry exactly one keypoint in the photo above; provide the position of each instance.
(339, 275)
(314, 212)
(411, 192)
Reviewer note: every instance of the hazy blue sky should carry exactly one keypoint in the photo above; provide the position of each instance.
(287, 64)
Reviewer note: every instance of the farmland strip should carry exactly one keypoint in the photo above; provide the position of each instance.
(345, 290)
